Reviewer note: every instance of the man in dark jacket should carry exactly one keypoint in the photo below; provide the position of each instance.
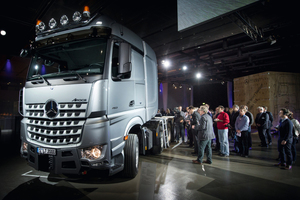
(205, 135)
(196, 117)
(233, 117)
(270, 124)
(261, 121)
(285, 139)
(179, 125)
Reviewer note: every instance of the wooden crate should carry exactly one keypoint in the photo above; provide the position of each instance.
(275, 90)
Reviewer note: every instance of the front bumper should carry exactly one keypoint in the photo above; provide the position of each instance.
(66, 161)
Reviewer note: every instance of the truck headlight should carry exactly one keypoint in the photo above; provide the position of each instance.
(92, 153)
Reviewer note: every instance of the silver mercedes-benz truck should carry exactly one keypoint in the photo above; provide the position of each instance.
(89, 98)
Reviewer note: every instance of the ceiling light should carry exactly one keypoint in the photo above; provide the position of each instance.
(198, 75)
(184, 67)
(166, 63)
(3, 32)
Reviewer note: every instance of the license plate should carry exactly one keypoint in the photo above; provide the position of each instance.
(46, 151)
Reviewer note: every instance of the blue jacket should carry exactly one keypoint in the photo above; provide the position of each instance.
(242, 123)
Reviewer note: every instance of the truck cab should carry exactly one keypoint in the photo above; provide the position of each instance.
(90, 89)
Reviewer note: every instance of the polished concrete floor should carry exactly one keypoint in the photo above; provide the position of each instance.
(171, 175)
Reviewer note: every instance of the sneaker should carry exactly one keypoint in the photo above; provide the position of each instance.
(288, 167)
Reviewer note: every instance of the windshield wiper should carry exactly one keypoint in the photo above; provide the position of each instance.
(40, 76)
(78, 76)
(81, 78)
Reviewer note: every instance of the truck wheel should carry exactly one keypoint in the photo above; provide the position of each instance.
(157, 149)
(131, 151)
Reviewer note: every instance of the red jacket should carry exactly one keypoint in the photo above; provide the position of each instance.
(223, 116)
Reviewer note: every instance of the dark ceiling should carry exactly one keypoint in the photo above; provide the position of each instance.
(219, 49)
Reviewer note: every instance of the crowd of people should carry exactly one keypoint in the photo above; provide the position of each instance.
(203, 126)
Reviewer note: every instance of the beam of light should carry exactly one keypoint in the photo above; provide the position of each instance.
(8, 66)
(43, 70)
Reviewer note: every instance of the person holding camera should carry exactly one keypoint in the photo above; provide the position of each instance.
(179, 124)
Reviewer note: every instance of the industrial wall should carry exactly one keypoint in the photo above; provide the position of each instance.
(170, 96)
(275, 90)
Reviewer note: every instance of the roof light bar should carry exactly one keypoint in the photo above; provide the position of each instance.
(64, 20)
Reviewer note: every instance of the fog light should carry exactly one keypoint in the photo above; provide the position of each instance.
(64, 20)
(92, 153)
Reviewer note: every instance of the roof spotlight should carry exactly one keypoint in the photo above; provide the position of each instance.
(52, 23)
(76, 16)
(64, 20)
(40, 26)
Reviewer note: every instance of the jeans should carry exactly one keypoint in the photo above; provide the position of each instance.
(285, 152)
(180, 132)
(202, 145)
(262, 132)
(244, 146)
(224, 143)
(294, 150)
(249, 137)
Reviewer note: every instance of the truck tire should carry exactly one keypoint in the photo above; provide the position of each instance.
(131, 151)
(158, 148)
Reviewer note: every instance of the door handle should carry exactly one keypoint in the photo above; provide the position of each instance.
(131, 103)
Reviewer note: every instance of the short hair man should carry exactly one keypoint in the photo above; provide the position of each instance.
(222, 120)
(205, 135)
(261, 121)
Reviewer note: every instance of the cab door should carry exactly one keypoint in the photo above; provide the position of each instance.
(121, 83)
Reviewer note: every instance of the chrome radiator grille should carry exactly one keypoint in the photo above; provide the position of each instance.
(65, 128)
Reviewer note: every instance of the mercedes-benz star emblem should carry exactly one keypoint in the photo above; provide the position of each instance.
(51, 109)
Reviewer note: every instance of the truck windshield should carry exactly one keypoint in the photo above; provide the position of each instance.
(84, 57)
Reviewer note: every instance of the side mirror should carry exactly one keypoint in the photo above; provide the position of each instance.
(124, 58)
